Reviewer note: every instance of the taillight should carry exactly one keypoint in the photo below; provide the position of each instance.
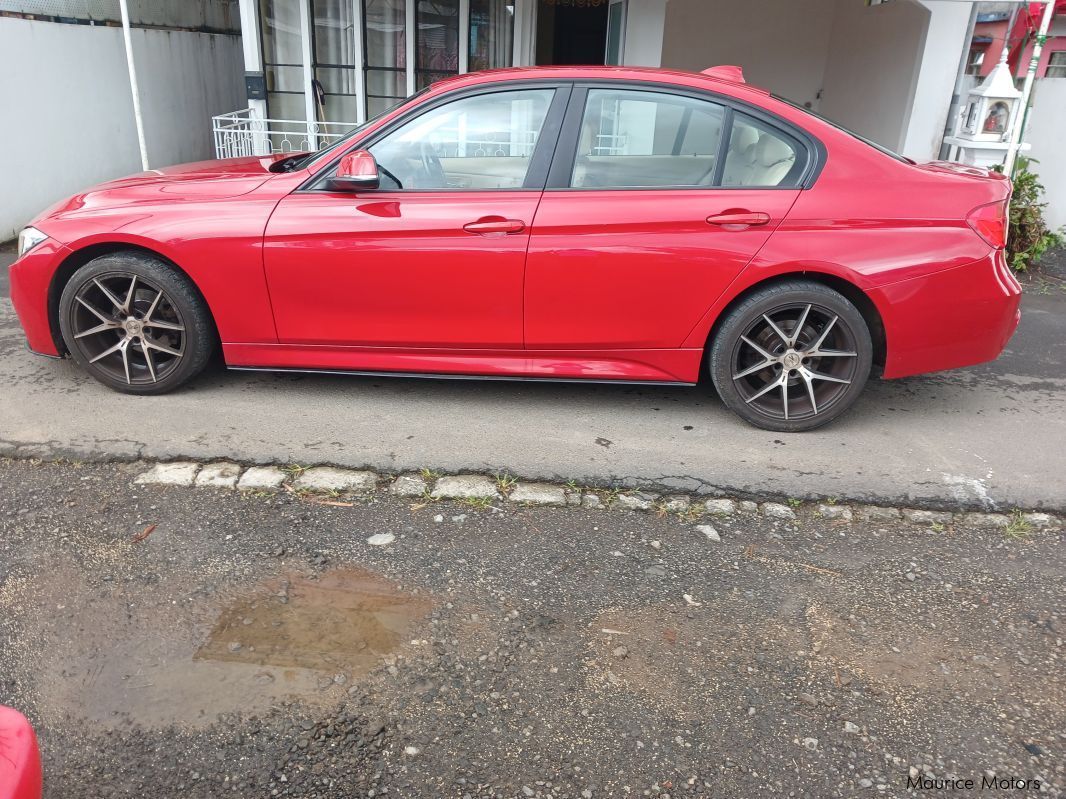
(990, 223)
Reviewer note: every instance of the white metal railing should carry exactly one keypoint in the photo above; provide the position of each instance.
(457, 142)
(242, 133)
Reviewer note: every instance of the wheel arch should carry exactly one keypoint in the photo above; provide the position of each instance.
(851, 291)
(84, 255)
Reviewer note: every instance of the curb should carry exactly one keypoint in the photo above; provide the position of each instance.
(318, 482)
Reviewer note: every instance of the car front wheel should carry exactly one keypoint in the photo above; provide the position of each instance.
(135, 323)
(792, 356)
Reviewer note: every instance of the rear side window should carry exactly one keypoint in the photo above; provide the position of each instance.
(646, 139)
(761, 156)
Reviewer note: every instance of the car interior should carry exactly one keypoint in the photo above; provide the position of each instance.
(627, 139)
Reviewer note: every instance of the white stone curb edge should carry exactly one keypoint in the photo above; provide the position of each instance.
(479, 489)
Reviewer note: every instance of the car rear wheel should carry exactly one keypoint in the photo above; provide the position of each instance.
(135, 324)
(792, 356)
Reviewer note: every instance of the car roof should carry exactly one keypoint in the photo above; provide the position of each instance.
(711, 78)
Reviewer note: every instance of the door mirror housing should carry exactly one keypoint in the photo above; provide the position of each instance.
(357, 171)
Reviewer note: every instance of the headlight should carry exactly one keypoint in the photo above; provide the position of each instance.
(29, 238)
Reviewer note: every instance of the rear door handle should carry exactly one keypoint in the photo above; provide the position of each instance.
(738, 219)
(489, 225)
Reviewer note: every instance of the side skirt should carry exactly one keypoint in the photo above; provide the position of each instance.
(633, 365)
(443, 376)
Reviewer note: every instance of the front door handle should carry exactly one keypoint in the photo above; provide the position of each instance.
(738, 219)
(489, 225)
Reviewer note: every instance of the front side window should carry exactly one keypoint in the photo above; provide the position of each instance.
(481, 142)
(646, 139)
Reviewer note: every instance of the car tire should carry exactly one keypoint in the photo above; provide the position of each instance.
(136, 324)
(792, 356)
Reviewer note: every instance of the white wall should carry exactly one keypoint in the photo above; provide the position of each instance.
(886, 71)
(68, 114)
(184, 80)
(872, 68)
(645, 22)
(945, 42)
(1047, 134)
(781, 44)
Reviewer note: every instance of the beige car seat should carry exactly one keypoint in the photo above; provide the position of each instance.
(773, 160)
(740, 161)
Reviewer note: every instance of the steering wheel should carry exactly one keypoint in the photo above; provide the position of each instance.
(431, 166)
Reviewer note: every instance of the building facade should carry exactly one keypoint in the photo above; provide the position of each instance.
(1014, 27)
(317, 67)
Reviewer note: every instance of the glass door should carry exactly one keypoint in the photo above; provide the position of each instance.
(616, 32)
(336, 90)
(333, 63)
(436, 41)
(283, 63)
(491, 34)
(385, 53)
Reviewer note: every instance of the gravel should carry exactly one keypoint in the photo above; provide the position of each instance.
(257, 645)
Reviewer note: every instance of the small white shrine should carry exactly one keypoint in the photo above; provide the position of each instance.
(983, 128)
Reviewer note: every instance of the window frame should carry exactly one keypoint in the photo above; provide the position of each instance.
(562, 167)
(539, 162)
(1052, 64)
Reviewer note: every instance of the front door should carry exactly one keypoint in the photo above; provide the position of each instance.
(663, 200)
(435, 257)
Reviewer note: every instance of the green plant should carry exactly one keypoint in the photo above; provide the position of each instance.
(1018, 527)
(1028, 236)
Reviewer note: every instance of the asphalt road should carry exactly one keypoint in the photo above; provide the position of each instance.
(199, 643)
(992, 436)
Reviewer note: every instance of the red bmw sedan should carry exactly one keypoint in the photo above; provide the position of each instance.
(578, 223)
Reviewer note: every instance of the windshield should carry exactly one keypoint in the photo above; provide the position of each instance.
(880, 148)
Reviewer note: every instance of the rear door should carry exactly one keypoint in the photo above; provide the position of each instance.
(656, 201)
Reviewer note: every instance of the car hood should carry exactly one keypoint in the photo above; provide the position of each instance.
(203, 180)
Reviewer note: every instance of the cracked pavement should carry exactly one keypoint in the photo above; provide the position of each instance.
(993, 436)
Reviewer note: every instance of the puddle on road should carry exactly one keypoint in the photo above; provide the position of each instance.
(282, 639)
(344, 621)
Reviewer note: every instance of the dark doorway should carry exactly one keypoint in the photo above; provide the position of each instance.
(571, 34)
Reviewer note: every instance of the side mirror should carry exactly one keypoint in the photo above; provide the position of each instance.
(357, 171)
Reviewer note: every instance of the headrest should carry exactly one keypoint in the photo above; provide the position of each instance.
(742, 138)
(772, 150)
